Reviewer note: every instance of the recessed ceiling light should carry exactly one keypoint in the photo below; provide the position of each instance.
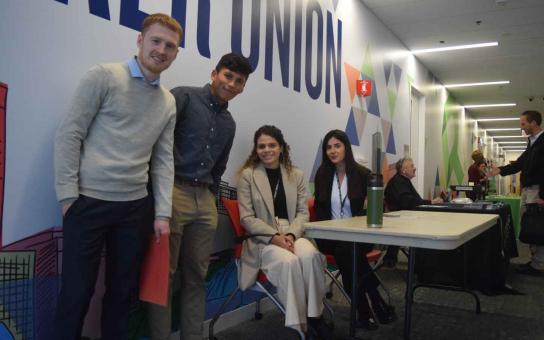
(453, 48)
(475, 106)
(485, 83)
(504, 129)
(496, 119)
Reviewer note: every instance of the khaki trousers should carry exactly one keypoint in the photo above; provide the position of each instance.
(299, 279)
(529, 195)
(193, 225)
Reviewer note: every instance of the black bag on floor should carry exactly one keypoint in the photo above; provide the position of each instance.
(532, 225)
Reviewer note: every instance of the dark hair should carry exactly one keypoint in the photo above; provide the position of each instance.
(236, 63)
(272, 131)
(327, 168)
(533, 116)
(348, 156)
(162, 19)
(479, 162)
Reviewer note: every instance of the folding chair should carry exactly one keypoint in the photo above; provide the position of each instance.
(260, 285)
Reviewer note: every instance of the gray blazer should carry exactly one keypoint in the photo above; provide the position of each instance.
(256, 206)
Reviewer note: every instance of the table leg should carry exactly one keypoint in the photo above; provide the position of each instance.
(409, 295)
(465, 278)
(354, 294)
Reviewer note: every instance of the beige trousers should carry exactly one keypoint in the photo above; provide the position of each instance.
(529, 195)
(194, 221)
(299, 279)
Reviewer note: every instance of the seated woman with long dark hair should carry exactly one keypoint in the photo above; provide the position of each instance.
(272, 203)
(340, 192)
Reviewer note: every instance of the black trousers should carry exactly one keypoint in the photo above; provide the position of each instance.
(343, 255)
(392, 253)
(89, 224)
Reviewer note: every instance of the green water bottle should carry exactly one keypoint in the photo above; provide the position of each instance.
(374, 213)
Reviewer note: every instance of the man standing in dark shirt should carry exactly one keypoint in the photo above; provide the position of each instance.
(202, 141)
(400, 194)
(531, 165)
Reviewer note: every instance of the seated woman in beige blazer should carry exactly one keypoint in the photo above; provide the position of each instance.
(272, 201)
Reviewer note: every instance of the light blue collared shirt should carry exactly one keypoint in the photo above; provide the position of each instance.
(136, 72)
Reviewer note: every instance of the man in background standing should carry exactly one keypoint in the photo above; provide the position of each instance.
(531, 165)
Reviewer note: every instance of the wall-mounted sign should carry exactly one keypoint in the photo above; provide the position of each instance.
(364, 88)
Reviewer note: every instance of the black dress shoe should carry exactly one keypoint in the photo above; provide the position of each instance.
(369, 324)
(527, 269)
(318, 329)
(385, 314)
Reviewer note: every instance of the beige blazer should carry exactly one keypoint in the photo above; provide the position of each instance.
(256, 206)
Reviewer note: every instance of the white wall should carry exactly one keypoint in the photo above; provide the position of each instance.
(47, 46)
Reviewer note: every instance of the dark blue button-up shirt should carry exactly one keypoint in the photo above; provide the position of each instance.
(203, 136)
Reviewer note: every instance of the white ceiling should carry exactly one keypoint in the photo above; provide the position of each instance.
(518, 26)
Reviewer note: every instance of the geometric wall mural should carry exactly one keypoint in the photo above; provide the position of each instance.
(361, 107)
(30, 280)
(450, 144)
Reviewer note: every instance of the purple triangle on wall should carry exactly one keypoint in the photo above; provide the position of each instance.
(351, 129)
(391, 143)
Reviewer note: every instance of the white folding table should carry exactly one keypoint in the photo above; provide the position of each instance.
(413, 229)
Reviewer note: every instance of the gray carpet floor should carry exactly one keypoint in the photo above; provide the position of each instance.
(437, 314)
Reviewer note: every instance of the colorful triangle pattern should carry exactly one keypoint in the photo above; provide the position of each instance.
(391, 143)
(352, 75)
(351, 129)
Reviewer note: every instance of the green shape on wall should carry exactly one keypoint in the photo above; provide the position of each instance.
(366, 69)
(392, 97)
(452, 163)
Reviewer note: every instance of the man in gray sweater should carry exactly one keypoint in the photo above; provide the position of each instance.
(118, 130)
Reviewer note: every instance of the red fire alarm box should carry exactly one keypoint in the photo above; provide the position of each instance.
(364, 88)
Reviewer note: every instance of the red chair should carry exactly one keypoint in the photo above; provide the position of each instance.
(259, 286)
(373, 257)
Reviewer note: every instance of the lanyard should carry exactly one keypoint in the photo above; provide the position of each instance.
(276, 189)
(342, 201)
(276, 218)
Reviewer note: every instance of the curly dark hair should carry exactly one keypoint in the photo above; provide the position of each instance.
(272, 131)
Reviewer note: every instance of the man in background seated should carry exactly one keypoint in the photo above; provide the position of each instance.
(400, 194)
